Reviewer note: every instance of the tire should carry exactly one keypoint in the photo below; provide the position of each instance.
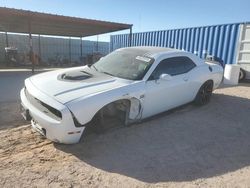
(242, 75)
(204, 94)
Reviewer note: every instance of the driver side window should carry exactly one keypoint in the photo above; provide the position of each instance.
(173, 66)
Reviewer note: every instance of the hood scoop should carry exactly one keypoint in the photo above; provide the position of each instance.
(75, 76)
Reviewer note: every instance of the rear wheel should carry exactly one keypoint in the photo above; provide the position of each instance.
(204, 94)
(242, 75)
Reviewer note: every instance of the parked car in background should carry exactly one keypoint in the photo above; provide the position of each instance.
(128, 85)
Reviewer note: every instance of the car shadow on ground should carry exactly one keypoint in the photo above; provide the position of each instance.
(191, 143)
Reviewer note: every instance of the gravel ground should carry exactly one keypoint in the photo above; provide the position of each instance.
(191, 146)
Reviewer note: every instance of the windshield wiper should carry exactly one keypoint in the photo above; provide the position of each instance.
(101, 71)
(94, 67)
(107, 73)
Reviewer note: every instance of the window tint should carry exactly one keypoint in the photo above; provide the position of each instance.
(173, 66)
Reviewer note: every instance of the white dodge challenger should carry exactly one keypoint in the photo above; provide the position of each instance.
(128, 85)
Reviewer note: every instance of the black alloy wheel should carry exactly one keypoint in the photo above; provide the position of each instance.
(204, 94)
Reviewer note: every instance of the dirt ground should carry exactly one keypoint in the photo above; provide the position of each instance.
(10, 115)
(192, 146)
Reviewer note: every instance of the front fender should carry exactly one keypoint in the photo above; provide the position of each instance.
(84, 109)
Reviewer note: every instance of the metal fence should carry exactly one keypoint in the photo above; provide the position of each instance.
(216, 40)
(49, 48)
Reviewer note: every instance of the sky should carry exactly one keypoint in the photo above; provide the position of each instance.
(145, 15)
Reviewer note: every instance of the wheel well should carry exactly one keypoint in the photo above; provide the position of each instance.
(209, 81)
(118, 110)
(122, 104)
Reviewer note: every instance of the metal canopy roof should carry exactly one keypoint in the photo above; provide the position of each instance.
(23, 21)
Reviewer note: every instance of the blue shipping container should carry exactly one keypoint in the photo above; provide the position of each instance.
(216, 40)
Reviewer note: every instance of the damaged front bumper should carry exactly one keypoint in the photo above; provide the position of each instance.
(63, 130)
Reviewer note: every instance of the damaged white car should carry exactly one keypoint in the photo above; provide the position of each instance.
(129, 84)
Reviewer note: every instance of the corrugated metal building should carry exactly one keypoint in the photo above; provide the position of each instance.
(221, 41)
(51, 47)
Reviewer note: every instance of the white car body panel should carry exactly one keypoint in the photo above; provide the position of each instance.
(67, 91)
(84, 99)
(56, 130)
(175, 90)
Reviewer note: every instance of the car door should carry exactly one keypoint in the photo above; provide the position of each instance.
(164, 94)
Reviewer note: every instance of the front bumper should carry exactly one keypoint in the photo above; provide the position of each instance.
(63, 130)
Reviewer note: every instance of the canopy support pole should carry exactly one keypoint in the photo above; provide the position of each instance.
(31, 49)
(130, 36)
(70, 50)
(39, 48)
(7, 45)
(97, 43)
(81, 46)
(6, 39)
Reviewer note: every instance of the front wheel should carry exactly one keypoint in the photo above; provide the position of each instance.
(204, 94)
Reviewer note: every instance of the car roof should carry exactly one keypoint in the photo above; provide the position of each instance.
(151, 51)
(156, 52)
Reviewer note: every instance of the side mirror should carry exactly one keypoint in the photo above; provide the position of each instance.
(165, 77)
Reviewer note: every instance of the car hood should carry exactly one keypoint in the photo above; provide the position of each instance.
(69, 84)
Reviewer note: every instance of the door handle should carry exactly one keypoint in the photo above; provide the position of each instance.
(185, 79)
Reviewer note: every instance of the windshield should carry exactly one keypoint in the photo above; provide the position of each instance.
(126, 63)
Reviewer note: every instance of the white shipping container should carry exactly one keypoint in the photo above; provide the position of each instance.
(243, 50)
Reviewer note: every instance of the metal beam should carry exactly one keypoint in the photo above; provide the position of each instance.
(130, 36)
